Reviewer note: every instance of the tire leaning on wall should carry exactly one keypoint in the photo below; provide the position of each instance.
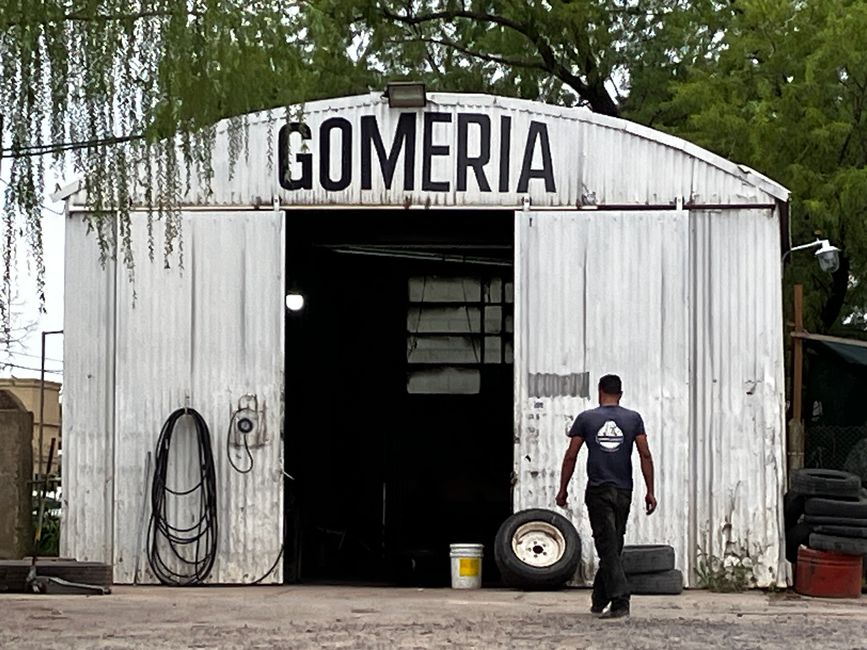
(537, 549)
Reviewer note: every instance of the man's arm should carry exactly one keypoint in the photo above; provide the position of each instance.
(568, 469)
(647, 471)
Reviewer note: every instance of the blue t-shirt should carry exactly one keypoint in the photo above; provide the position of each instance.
(609, 433)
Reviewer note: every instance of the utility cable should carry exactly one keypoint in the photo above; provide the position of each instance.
(193, 567)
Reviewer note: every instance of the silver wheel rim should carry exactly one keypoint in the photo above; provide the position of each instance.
(538, 544)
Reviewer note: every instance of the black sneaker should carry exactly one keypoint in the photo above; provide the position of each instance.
(597, 610)
(620, 612)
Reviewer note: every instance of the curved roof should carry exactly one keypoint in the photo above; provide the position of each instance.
(359, 158)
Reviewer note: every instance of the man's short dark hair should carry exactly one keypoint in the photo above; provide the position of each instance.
(611, 385)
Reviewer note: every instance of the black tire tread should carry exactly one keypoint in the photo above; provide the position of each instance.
(649, 558)
(651, 584)
(835, 508)
(842, 545)
(822, 520)
(826, 483)
(858, 532)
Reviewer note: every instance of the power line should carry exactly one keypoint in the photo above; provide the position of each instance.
(41, 205)
(32, 356)
(7, 364)
(60, 147)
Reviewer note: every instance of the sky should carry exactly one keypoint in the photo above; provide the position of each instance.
(26, 356)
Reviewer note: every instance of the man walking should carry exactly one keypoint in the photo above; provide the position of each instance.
(609, 431)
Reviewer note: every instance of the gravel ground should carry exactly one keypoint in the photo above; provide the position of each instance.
(360, 617)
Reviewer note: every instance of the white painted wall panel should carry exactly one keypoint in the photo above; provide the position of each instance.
(686, 307)
(595, 158)
(201, 336)
(739, 389)
(88, 398)
(604, 292)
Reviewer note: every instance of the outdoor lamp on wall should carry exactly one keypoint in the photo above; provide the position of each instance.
(828, 255)
(406, 94)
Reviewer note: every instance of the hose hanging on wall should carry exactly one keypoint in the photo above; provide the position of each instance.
(193, 549)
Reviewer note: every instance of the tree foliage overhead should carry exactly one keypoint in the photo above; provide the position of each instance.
(108, 86)
(786, 92)
(103, 87)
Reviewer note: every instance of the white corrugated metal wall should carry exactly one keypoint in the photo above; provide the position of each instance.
(595, 158)
(698, 336)
(202, 336)
(88, 398)
(738, 396)
(685, 306)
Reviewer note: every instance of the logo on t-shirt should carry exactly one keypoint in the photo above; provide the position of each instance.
(609, 437)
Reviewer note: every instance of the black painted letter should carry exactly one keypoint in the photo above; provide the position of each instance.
(505, 152)
(345, 154)
(477, 163)
(284, 165)
(538, 130)
(429, 151)
(404, 136)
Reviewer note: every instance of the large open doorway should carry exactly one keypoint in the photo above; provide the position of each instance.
(399, 391)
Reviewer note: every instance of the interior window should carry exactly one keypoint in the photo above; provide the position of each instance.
(455, 325)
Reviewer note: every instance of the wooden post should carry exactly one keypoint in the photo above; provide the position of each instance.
(797, 439)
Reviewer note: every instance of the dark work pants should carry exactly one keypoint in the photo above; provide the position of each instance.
(608, 509)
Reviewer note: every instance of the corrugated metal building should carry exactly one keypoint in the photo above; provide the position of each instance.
(508, 254)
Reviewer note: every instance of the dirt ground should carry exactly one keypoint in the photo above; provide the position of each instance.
(359, 617)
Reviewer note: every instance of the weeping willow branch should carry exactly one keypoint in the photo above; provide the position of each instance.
(125, 94)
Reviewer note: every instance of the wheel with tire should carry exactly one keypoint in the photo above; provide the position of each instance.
(650, 558)
(652, 584)
(537, 549)
(842, 545)
(826, 483)
(834, 508)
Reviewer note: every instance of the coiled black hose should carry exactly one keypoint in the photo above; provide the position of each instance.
(193, 549)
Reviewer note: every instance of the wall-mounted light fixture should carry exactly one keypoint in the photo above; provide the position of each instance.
(406, 94)
(828, 255)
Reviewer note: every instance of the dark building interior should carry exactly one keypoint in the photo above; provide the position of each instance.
(399, 391)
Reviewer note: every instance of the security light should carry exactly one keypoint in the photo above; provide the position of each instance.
(294, 301)
(828, 255)
(406, 94)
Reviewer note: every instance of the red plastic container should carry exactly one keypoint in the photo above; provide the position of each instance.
(828, 575)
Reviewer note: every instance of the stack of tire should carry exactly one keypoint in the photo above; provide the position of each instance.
(650, 570)
(826, 510)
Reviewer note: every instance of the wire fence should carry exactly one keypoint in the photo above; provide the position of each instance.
(838, 447)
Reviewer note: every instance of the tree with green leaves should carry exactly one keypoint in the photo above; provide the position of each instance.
(108, 86)
(126, 94)
(785, 91)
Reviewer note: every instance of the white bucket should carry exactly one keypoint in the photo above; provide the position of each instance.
(466, 565)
